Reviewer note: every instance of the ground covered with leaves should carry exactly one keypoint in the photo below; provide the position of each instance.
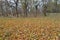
(29, 28)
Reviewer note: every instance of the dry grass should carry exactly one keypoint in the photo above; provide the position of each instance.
(29, 28)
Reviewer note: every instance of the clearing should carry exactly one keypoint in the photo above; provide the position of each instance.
(43, 28)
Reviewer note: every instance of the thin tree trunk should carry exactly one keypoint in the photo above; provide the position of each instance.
(25, 8)
(2, 12)
(17, 8)
(45, 10)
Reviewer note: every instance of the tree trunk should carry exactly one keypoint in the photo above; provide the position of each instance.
(45, 10)
(17, 8)
(25, 8)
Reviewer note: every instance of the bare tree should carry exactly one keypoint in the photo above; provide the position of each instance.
(25, 5)
(36, 7)
(1, 8)
(56, 5)
(16, 3)
(44, 7)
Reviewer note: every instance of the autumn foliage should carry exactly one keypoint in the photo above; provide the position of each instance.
(29, 29)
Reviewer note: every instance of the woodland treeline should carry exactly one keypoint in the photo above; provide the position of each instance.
(25, 8)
